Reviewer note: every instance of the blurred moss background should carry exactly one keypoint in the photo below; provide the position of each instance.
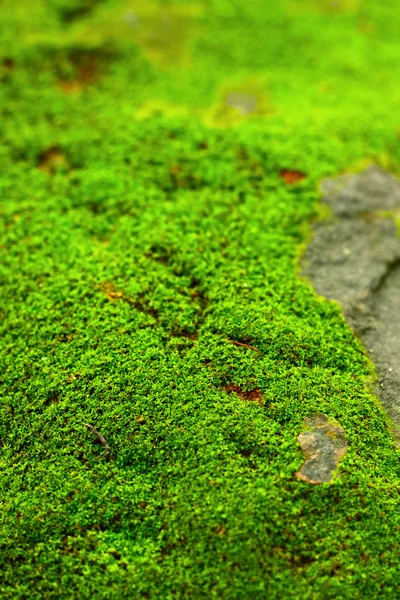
(324, 65)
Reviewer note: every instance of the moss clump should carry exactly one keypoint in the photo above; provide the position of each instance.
(150, 288)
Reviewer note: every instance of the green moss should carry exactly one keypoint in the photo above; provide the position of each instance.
(134, 251)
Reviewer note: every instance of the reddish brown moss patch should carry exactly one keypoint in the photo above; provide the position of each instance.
(291, 177)
(87, 68)
(253, 395)
(52, 160)
(8, 63)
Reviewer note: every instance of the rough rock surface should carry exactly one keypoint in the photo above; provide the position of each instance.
(354, 258)
(323, 446)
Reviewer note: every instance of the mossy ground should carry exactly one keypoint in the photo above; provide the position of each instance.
(145, 228)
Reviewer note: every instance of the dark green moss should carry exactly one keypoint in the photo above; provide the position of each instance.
(135, 253)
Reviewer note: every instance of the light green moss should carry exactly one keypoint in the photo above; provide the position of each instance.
(135, 248)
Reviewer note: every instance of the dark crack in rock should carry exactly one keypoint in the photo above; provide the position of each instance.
(324, 445)
(354, 258)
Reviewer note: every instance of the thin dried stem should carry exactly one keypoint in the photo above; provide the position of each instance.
(244, 346)
(100, 437)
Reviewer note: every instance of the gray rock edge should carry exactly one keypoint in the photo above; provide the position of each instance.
(354, 258)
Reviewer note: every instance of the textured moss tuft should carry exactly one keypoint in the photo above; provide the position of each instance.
(149, 287)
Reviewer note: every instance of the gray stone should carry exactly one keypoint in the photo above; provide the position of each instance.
(354, 258)
(324, 445)
(244, 103)
(130, 18)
